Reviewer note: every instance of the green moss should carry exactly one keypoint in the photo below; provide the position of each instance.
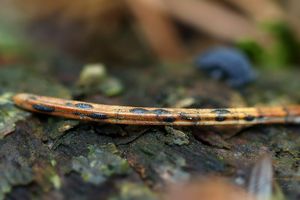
(111, 87)
(133, 191)
(170, 168)
(9, 114)
(55, 180)
(94, 79)
(176, 136)
(19, 79)
(283, 52)
(57, 127)
(99, 165)
(11, 176)
(254, 51)
(16, 79)
(46, 176)
(11, 41)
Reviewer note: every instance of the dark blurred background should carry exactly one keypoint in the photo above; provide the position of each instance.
(124, 32)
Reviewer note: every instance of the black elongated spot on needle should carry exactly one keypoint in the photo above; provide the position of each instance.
(97, 116)
(221, 114)
(163, 115)
(169, 119)
(221, 111)
(220, 118)
(139, 111)
(160, 111)
(84, 105)
(249, 118)
(43, 108)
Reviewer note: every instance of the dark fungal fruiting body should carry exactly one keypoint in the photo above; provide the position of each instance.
(97, 116)
(146, 111)
(42, 108)
(221, 114)
(139, 111)
(160, 114)
(164, 115)
(220, 111)
(160, 111)
(83, 105)
(249, 118)
(220, 118)
(167, 119)
(157, 116)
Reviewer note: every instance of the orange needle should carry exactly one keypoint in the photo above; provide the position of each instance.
(157, 116)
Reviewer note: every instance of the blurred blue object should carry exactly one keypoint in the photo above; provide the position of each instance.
(229, 64)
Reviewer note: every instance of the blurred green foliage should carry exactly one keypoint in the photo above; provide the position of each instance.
(12, 39)
(283, 52)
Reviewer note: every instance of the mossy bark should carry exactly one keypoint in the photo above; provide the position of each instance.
(43, 156)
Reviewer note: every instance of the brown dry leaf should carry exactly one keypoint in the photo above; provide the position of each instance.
(293, 15)
(158, 29)
(214, 19)
(260, 10)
